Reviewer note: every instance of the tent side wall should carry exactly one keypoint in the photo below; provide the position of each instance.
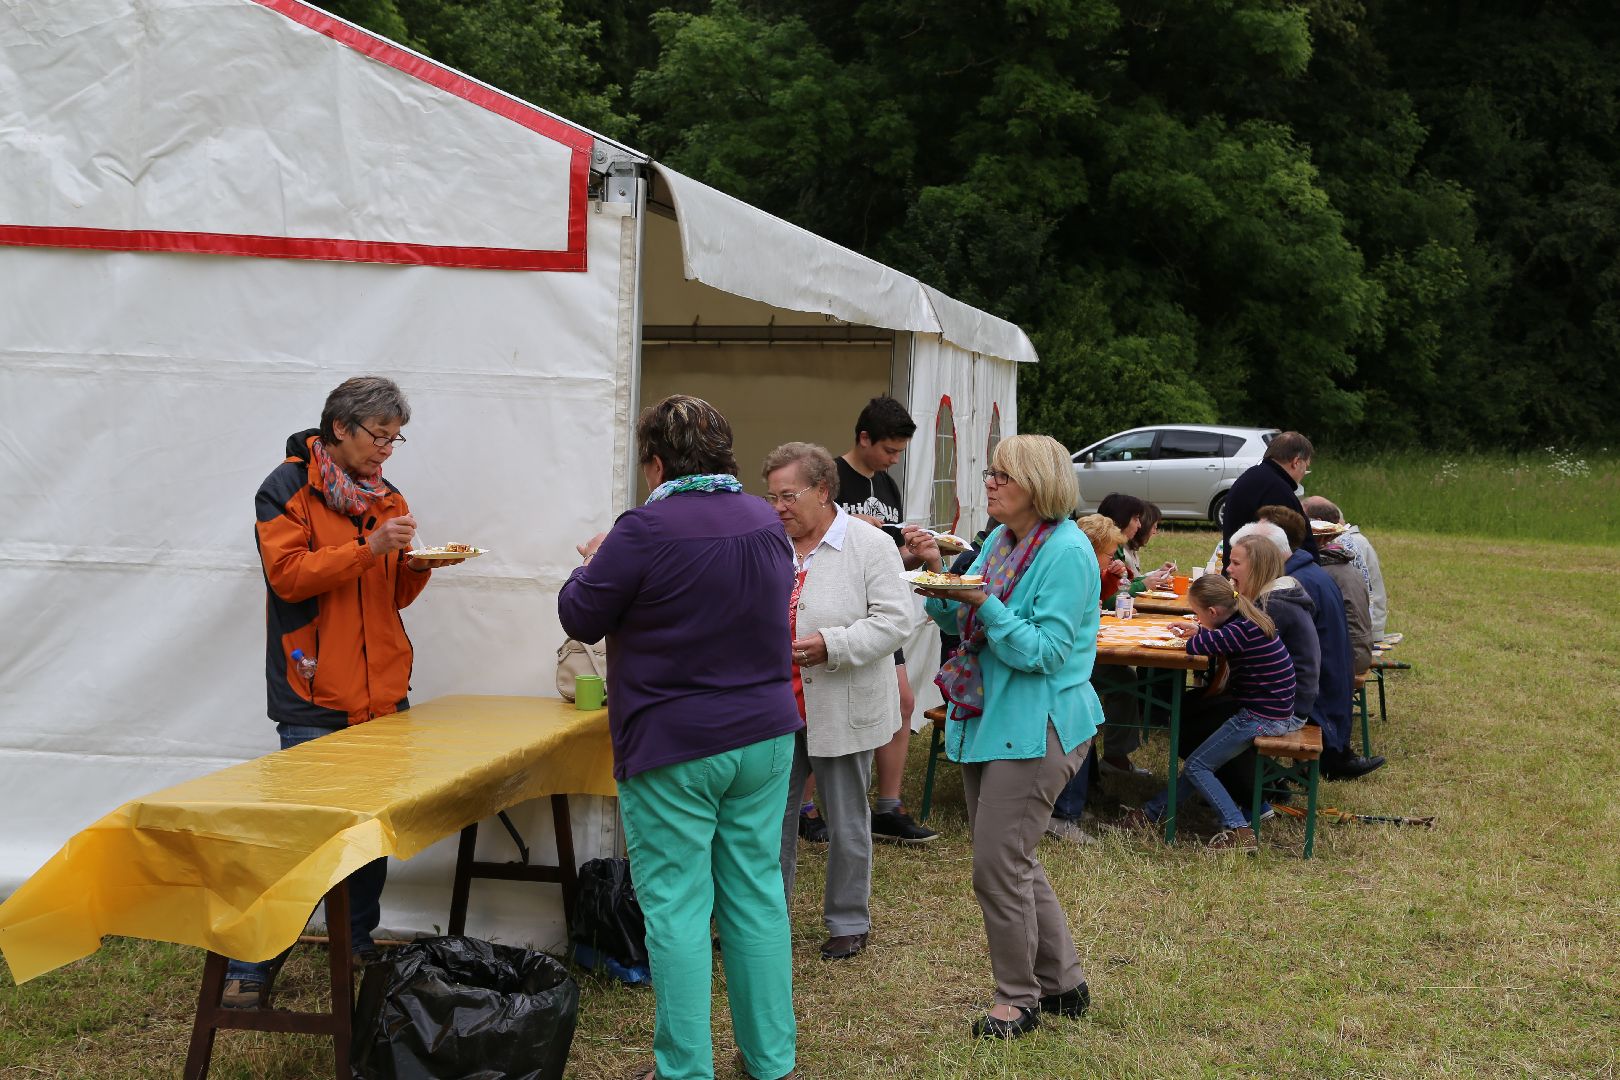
(145, 394)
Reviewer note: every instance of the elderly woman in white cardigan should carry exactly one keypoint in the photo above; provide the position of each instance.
(849, 611)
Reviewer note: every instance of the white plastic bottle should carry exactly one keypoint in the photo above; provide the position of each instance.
(304, 665)
(1124, 606)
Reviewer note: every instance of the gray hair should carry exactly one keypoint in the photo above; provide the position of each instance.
(814, 460)
(1265, 530)
(362, 398)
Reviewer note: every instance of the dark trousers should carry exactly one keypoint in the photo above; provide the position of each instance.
(1202, 715)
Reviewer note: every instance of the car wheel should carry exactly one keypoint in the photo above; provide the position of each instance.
(1217, 510)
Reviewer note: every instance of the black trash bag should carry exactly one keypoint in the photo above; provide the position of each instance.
(457, 1008)
(607, 918)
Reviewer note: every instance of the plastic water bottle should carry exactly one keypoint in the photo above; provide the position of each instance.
(304, 664)
(1124, 606)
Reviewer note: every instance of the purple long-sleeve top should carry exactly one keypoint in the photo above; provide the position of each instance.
(1262, 672)
(691, 593)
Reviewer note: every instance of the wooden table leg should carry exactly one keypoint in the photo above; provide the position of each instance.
(460, 891)
(203, 1027)
(568, 873)
(337, 1021)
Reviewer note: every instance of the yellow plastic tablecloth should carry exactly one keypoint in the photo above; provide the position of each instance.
(235, 861)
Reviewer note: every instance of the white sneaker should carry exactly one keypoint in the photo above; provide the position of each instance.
(1069, 831)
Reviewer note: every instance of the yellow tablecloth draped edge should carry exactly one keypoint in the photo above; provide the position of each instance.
(235, 861)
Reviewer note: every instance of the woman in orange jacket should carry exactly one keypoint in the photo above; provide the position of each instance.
(333, 538)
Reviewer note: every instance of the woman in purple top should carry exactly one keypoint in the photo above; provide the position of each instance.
(691, 591)
(1260, 679)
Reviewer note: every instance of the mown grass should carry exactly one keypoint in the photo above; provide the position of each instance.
(1550, 494)
(1482, 948)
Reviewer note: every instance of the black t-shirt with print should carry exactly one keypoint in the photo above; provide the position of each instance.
(876, 496)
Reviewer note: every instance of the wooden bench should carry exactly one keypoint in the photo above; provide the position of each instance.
(936, 747)
(1303, 749)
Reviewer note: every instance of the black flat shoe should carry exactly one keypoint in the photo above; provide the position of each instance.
(843, 947)
(1071, 1003)
(991, 1027)
(1348, 767)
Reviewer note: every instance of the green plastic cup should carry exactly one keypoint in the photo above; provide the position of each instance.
(590, 692)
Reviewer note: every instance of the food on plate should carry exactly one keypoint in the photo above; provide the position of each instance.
(950, 543)
(927, 579)
(1165, 643)
(458, 547)
(1326, 528)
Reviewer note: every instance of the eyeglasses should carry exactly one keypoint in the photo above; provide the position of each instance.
(787, 498)
(381, 440)
(996, 477)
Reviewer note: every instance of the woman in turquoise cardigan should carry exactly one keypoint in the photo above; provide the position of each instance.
(1022, 715)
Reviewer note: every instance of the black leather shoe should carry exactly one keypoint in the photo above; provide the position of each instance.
(1071, 1003)
(813, 829)
(990, 1027)
(1348, 767)
(843, 947)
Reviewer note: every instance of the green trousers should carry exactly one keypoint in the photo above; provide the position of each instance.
(705, 839)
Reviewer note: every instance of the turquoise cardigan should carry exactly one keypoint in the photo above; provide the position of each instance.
(1038, 660)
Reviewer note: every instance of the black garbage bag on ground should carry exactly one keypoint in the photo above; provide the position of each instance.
(607, 918)
(457, 1008)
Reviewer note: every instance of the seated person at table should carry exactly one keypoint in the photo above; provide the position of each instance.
(1336, 688)
(1338, 561)
(333, 538)
(1261, 679)
(1366, 559)
(1130, 552)
(1070, 805)
(1126, 512)
(1112, 572)
(1259, 551)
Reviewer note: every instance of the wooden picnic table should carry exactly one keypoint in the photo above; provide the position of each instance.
(1159, 680)
(235, 861)
(1161, 605)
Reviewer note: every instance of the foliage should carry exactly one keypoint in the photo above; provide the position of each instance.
(1386, 224)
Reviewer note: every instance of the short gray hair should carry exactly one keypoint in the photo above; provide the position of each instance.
(362, 398)
(1265, 530)
(815, 460)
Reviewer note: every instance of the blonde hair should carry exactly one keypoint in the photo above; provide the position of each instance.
(1266, 563)
(1041, 466)
(1214, 591)
(1104, 535)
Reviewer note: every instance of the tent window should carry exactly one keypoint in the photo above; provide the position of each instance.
(945, 507)
(995, 434)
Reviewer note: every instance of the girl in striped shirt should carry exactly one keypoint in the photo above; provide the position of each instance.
(1261, 679)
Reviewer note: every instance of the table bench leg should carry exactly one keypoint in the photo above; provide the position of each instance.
(565, 873)
(338, 1021)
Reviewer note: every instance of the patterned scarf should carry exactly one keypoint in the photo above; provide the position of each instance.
(961, 680)
(345, 493)
(703, 483)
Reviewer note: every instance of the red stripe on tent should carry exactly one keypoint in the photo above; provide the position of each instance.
(288, 247)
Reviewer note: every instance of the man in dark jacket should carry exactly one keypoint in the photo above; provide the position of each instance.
(1335, 687)
(1270, 483)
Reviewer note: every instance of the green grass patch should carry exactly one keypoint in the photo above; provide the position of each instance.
(1548, 495)
(1482, 948)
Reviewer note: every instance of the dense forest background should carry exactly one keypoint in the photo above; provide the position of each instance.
(1384, 222)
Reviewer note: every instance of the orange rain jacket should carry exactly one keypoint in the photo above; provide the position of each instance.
(332, 598)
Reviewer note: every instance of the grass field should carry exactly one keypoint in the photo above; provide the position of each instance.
(1486, 947)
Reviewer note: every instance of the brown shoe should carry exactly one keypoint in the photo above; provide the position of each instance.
(1238, 840)
(843, 947)
(243, 994)
(1135, 819)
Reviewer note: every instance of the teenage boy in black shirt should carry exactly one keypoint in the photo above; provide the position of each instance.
(866, 490)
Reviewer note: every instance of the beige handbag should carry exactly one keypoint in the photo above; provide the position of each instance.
(576, 658)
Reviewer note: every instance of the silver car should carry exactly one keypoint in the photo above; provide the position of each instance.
(1184, 469)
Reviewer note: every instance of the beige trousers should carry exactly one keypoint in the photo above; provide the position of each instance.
(1009, 804)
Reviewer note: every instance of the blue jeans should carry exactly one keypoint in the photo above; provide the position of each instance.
(365, 886)
(1229, 740)
(1071, 801)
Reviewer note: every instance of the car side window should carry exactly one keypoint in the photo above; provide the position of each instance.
(1190, 444)
(1132, 446)
(1231, 445)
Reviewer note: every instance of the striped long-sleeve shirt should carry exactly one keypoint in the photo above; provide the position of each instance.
(1262, 673)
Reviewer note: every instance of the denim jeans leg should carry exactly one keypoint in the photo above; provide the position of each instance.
(1071, 801)
(1229, 740)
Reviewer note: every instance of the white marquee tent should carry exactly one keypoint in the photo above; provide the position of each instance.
(211, 212)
